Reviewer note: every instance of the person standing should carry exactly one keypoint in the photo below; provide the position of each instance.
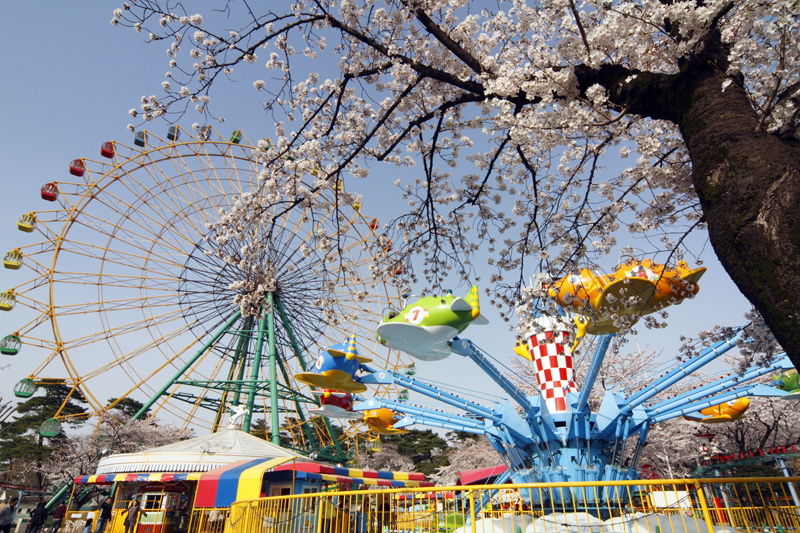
(132, 516)
(105, 516)
(58, 517)
(714, 447)
(705, 452)
(38, 518)
(7, 515)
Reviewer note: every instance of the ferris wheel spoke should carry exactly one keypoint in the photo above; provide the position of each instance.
(212, 178)
(43, 229)
(30, 261)
(36, 342)
(203, 392)
(127, 304)
(121, 330)
(151, 202)
(23, 292)
(117, 281)
(137, 233)
(54, 353)
(177, 193)
(123, 257)
(142, 383)
(158, 212)
(150, 226)
(67, 190)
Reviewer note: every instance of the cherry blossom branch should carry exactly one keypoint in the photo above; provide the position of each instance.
(420, 68)
(767, 107)
(441, 36)
(581, 29)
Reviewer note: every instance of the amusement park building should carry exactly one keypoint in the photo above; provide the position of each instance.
(179, 484)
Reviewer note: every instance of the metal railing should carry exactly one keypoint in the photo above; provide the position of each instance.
(763, 505)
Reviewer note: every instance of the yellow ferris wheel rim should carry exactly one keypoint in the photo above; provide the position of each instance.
(123, 231)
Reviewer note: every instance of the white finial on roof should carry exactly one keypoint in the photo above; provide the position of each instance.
(237, 414)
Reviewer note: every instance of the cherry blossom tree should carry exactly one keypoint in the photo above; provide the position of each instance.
(506, 114)
(79, 455)
(387, 458)
(768, 422)
(466, 454)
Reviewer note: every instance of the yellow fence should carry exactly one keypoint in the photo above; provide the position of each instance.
(764, 505)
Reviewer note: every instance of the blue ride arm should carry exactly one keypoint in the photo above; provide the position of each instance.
(410, 420)
(756, 389)
(680, 372)
(717, 386)
(466, 348)
(388, 377)
(458, 422)
(594, 370)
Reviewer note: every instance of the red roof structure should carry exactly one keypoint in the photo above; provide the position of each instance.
(480, 476)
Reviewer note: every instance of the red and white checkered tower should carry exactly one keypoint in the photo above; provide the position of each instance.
(551, 356)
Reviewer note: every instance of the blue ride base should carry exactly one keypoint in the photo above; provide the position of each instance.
(578, 444)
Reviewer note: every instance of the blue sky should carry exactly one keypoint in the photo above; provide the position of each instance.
(70, 79)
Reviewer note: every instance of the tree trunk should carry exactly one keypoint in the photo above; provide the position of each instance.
(749, 186)
(748, 182)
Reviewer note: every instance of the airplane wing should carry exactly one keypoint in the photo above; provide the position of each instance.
(640, 287)
(480, 321)
(324, 382)
(418, 341)
(319, 392)
(460, 304)
(331, 411)
(387, 431)
(694, 275)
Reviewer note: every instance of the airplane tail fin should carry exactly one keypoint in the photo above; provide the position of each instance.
(352, 352)
(474, 300)
(521, 349)
(581, 322)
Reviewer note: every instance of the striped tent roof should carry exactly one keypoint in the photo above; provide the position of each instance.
(107, 479)
(363, 475)
(242, 480)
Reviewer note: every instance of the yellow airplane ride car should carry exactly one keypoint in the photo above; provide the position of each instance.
(596, 296)
(724, 412)
(381, 421)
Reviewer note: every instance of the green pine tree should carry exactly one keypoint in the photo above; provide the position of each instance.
(426, 449)
(258, 428)
(128, 406)
(21, 444)
(461, 436)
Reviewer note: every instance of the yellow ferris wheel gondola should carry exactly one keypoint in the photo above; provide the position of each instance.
(136, 290)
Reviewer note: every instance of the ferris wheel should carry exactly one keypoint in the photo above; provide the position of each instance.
(199, 273)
